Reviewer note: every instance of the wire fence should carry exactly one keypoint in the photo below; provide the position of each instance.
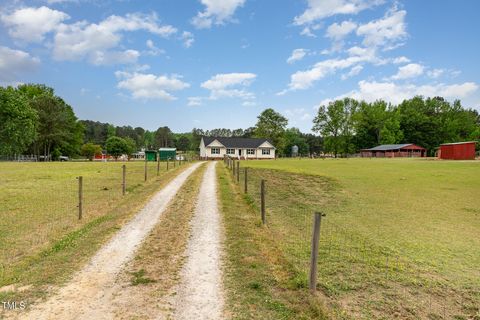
(360, 273)
(40, 203)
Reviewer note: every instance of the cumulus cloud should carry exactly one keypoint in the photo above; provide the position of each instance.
(353, 72)
(152, 49)
(320, 9)
(408, 71)
(31, 24)
(150, 86)
(188, 39)
(216, 12)
(338, 31)
(15, 62)
(435, 73)
(230, 85)
(396, 93)
(302, 80)
(297, 54)
(400, 60)
(195, 101)
(82, 40)
(387, 32)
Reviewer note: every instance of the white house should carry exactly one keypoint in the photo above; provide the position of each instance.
(242, 148)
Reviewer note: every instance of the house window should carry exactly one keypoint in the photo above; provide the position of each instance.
(265, 151)
(230, 151)
(215, 150)
(250, 151)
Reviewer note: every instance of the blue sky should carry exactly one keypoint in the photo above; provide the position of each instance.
(219, 63)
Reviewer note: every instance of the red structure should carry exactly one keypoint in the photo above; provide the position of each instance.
(457, 151)
(395, 151)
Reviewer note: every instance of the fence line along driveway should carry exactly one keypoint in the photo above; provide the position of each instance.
(88, 294)
(200, 295)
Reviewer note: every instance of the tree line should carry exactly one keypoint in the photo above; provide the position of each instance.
(33, 120)
(349, 125)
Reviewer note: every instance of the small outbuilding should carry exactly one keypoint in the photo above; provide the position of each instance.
(167, 153)
(394, 151)
(151, 155)
(457, 151)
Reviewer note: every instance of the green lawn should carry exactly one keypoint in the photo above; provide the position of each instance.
(401, 237)
(41, 238)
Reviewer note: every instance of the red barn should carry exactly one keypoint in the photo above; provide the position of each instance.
(395, 151)
(458, 151)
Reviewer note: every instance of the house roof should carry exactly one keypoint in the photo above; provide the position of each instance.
(386, 147)
(465, 142)
(234, 142)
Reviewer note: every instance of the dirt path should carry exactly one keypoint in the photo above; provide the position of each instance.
(88, 294)
(200, 294)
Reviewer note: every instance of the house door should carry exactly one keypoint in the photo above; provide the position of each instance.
(240, 152)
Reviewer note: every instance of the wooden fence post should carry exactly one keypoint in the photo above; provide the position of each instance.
(314, 253)
(158, 165)
(246, 180)
(174, 162)
(238, 172)
(124, 179)
(80, 197)
(262, 197)
(146, 174)
(167, 163)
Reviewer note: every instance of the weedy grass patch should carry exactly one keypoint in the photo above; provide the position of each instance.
(400, 236)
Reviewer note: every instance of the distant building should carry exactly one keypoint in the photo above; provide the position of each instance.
(242, 148)
(395, 151)
(457, 151)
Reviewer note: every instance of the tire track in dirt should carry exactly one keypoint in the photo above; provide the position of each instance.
(89, 293)
(200, 293)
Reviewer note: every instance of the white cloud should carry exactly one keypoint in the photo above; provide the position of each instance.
(216, 12)
(301, 80)
(297, 54)
(353, 72)
(249, 103)
(150, 86)
(319, 9)
(226, 85)
(400, 60)
(408, 71)
(188, 39)
(82, 40)
(308, 30)
(435, 73)
(15, 62)
(338, 31)
(387, 32)
(153, 50)
(396, 93)
(114, 57)
(31, 24)
(296, 114)
(194, 101)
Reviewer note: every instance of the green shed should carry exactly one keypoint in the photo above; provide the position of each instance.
(151, 155)
(167, 153)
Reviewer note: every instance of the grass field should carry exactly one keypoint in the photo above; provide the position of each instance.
(41, 238)
(400, 239)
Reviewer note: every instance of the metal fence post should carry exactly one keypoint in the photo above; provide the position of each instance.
(262, 197)
(314, 253)
(80, 197)
(246, 180)
(124, 179)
